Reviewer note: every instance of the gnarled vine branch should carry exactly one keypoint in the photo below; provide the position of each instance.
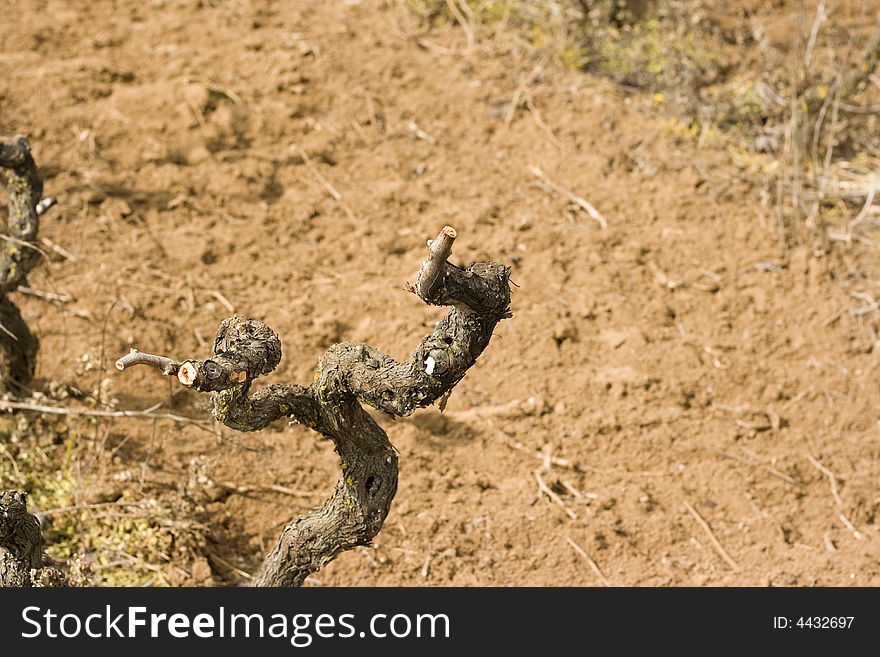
(348, 374)
(18, 255)
(22, 562)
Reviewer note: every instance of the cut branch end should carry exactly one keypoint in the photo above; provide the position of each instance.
(188, 373)
(430, 276)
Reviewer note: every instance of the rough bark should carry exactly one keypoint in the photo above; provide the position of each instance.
(22, 562)
(18, 348)
(18, 255)
(349, 374)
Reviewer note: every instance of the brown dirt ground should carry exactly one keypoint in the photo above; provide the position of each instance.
(192, 147)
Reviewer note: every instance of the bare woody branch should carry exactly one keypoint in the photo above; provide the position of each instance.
(22, 562)
(24, 185)
(431, 272)
(18, 255)
(349, 373)
(168, 366)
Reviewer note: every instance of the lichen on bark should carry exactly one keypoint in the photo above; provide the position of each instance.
(22, 561)
(18, 255)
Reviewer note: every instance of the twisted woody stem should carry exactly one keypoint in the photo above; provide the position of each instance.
(19, 175)
(349, 374)
(18, 255)
(22, 562)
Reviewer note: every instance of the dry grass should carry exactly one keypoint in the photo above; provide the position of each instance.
(793, 92)
(127, 531)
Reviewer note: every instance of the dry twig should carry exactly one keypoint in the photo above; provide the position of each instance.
(272, 488)
(832, 481)
(715, 542)
(223, 562)
(553, 496)
(579, 201)
(168, 366)
(593, 565)
(466, 25)
(554, 460)
(48, 296)
(769, 468)
(6, 405)
(64, 253)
